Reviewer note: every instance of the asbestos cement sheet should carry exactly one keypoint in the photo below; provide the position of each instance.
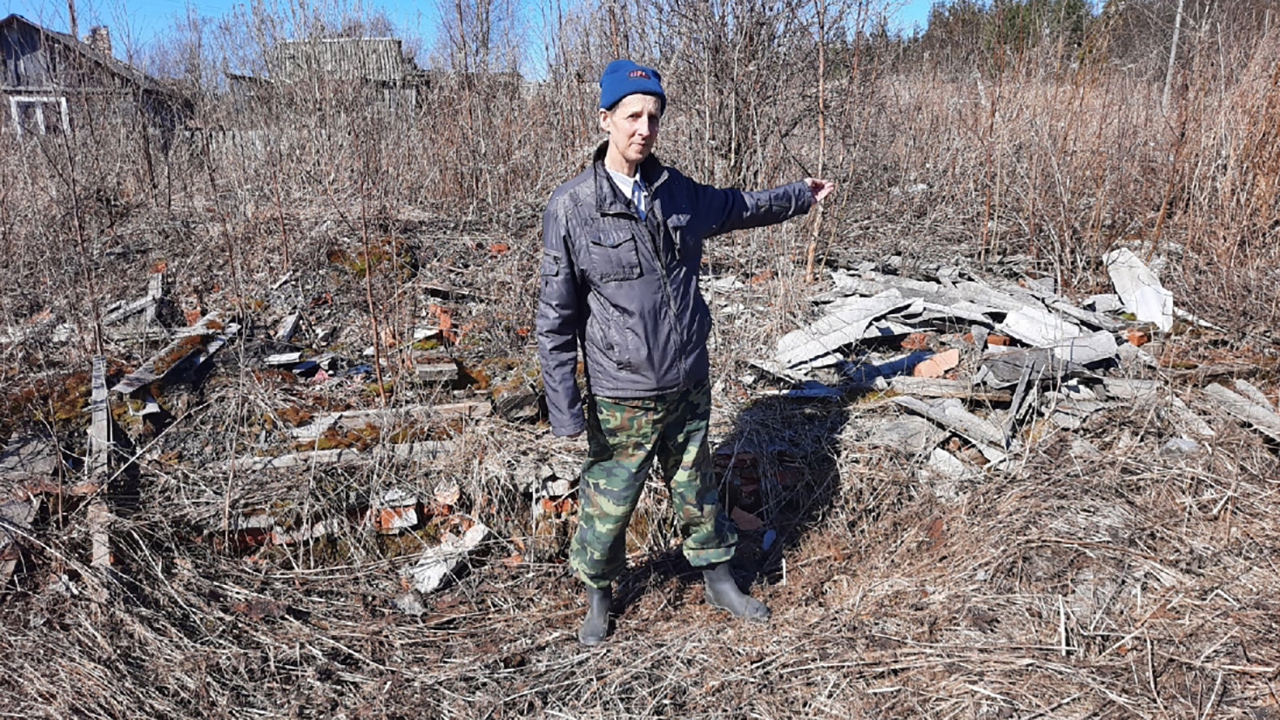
(950, 413)
(835, 330)
(1245, 410)
(1086, 349)
(1038, 327)
(1139, 288)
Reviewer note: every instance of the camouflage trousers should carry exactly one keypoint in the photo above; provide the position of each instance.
(625, 437)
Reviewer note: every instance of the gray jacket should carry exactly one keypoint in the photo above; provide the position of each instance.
(626, 289)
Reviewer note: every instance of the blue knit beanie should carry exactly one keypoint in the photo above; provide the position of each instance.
(623, 77)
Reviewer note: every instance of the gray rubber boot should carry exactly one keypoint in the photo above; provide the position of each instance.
(723, 592)
(596, 625)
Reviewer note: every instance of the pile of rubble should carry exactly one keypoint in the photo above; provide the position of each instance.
(978, 368)
(982, 363)
(329, 412)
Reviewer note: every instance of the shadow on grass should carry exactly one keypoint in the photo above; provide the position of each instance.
(779, 477)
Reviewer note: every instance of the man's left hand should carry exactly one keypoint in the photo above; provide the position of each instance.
(819, 188)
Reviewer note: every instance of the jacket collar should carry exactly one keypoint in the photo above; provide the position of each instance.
(609, 200)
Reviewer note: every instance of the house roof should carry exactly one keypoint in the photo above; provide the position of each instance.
(371, 59)
(124, 70)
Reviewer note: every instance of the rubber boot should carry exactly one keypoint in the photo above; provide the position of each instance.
(596, 625)
(723, 592)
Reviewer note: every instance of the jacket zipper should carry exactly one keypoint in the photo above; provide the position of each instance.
(656, 241)
(671, 301)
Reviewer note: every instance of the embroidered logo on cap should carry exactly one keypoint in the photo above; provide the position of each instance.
(639, 74)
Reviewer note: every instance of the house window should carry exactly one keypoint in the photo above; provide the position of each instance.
(39, 115)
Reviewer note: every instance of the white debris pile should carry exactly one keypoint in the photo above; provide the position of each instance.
(984, 361)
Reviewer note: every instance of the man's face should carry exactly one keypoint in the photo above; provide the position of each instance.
(632, 126)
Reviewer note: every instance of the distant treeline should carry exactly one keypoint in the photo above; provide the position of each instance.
(1133, 34)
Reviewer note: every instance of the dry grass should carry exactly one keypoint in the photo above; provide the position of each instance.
(1126, 584)
(1134, 586)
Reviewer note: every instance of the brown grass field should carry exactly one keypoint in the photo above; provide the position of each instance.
(1115, 582)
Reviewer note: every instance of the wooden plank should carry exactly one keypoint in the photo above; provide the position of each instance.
(141, 334)
(1263, 420)
(155, 292)
(129, 310)
(100, 422)
(939, 388)
(179, 353)
(405, 451)
(419, 415)
(99, 517)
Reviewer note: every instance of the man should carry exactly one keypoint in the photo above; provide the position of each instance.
(622, 246)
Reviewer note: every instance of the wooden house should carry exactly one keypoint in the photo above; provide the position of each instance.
(50, 81)
(375, 67)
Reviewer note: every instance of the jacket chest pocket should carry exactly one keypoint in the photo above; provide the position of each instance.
(615, 255)
(688, 246)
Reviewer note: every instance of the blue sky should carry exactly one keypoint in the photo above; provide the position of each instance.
(136, 23)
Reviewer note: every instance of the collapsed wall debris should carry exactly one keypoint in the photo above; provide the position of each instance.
(330, 422)
(988, 360)
(971, 371)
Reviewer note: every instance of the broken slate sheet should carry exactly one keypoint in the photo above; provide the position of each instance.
(1263, 418)
(439, 564)
(1086, 349)
(1139, 288)
(29, 457)
(1038, 327)
(909, 434)
(15, 520)
(951, 414)
(1006, 369)
(831, 332)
